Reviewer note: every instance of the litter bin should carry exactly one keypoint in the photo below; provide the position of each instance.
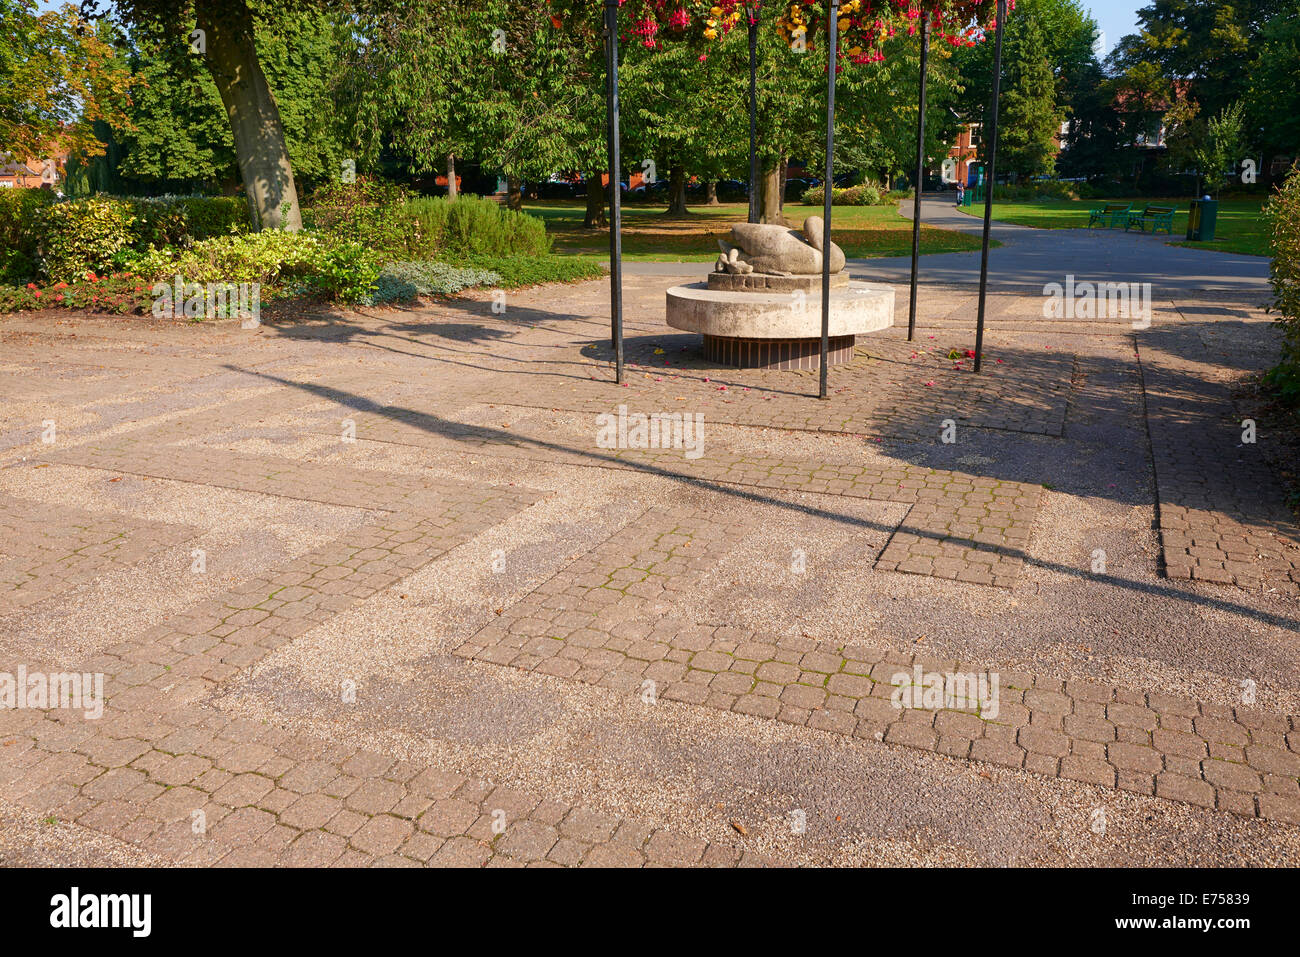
(1201, 218)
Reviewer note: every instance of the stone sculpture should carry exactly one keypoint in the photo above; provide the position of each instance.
(776, 250)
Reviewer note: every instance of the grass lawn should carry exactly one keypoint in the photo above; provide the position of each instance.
(861, 231)
(1241, 227)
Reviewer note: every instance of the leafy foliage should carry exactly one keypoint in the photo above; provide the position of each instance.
(1283, 212)
(19, 210)
(405, 281)
(117, 293)
(367, 211)
(473, 226)
(81, 235)
(863, 194)
(59, 75)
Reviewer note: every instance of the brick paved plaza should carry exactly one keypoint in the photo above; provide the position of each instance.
(364, 588)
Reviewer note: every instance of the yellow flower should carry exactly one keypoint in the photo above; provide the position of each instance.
(710, 34)
(844, 23)
(716, 11)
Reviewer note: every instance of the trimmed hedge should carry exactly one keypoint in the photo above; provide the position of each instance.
(82, 235)
(62, 240)
(18, 211)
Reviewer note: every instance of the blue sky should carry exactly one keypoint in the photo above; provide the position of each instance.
(1116, 18)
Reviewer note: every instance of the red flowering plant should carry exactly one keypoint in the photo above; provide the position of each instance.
(656, 22)
(119, 293)
(865, 26)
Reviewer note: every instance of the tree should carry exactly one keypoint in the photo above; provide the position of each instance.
(685, 113)
(1029, 120)
(1202, 45)
(1219, 149)
(178, 138)
(1273, 83)
(59, 76)
(226, 40)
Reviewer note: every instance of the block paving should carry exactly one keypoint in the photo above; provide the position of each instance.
(169, 772)
(605, 621)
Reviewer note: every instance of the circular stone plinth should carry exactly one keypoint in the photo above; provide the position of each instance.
(857, 308)
(777, 353)
(779, 330)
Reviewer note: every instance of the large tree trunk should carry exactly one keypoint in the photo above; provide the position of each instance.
(514, 193)
(711, 192)
(769, 196)
(595, 218)
(452, 191)
(260, 147)
(677, 192)
(785, 172)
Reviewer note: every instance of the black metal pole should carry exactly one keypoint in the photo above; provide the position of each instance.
(753, 116)
(832, 35)
(615, 200)
(991, 136)
(920, 173)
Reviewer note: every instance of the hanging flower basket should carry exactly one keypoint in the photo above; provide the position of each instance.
(865, 26)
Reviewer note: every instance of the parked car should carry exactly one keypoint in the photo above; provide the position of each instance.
(795, 188)
(732, 189)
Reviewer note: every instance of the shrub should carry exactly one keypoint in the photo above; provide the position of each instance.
(180, 220)
(81, 235)
(158, 223)
(19, 211)
(209, 216)
(369, 211)
(1283, 215)
(16, 266)
(346, 271)
(263, 257)
(338, 268)
(404, 281)
(864, 194)
(472, 226)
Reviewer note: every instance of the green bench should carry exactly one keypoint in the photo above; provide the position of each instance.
(1112, 214)
(1157, 217)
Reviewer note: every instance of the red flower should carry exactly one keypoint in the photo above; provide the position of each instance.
(59, 298)
(31, 285)
(37, 294)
